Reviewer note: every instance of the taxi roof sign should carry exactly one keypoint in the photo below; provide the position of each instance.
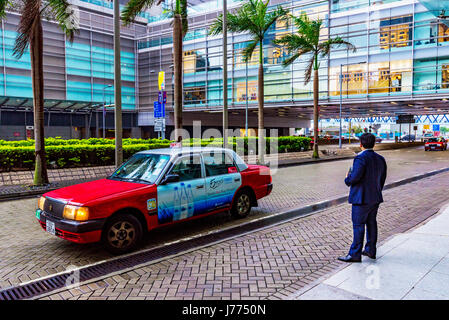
(175, 145)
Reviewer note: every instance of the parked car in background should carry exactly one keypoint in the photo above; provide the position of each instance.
(408, 138)
(152, 189)
(378, 139)
(435, 144)
(427, 136)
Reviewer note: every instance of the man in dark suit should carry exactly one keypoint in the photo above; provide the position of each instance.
(366, 179)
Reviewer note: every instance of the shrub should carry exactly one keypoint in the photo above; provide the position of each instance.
(62, 153)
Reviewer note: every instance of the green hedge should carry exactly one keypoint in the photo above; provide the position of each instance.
(96, 152)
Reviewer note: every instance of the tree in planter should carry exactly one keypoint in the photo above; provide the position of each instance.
(180, 27)
(306, 41)
(30, 34)
(253, 18)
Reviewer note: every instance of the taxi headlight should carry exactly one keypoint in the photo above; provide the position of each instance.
(41, 203)
(76, 213)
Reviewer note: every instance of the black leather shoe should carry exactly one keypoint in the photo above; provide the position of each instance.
(364, 253)
(349, 258)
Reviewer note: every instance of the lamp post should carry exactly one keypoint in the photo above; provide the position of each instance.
(117, 87)
(104, 111)
(246, 109)
(341, 95)
(225, 75)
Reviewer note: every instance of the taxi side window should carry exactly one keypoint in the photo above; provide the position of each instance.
(187, 168)
(217, 163)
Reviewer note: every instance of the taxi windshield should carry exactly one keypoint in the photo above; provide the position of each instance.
(433, 140)
(144, 168)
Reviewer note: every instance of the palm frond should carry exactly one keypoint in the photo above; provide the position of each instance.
(184, 17)
(134, 7)
(249, 18)
(217, 26)
(180, 8)
(291, 59)
(278, 14)
(3, 5)
(296, 44)
(325, 47)
(62, 12)
(293, 42)
(30, 16)
(247, 52)
(308, 74)
(245, 19)
(309, 29)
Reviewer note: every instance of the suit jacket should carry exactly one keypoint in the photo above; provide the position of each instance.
(367, 178)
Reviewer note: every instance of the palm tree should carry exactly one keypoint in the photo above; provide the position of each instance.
(180, 27)
(306, 42)
(30, 34)
(253, 18)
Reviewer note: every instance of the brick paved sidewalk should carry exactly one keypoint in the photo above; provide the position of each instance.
(409, 266)
(272, 263)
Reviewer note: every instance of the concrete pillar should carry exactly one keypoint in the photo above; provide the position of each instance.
(87, 126)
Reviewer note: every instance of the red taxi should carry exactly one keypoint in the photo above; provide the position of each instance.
(153, 188)
(435, 144)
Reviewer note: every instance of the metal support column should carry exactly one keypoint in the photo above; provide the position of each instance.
(225, 76)
(246, 109)
(117, 87)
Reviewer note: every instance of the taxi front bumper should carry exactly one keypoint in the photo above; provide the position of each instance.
(75, 231)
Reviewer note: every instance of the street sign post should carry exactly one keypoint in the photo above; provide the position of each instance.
(159, 105)
(159, 113)
(159, 124)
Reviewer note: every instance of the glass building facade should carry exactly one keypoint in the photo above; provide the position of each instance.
(78, 76)
(402, 55)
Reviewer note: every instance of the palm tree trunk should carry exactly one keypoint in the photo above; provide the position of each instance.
(260, 97)
(177, 60)
(37, 71)
(316, 112)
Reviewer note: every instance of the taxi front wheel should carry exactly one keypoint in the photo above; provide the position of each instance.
(242, 204)
(122, 233)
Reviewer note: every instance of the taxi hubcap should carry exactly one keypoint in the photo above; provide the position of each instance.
(121, 234)
(243, 204)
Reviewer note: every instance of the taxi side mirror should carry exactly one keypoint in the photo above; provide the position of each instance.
(170, 178)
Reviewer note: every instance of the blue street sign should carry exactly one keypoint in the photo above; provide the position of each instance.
(159, 109)
(436, 127)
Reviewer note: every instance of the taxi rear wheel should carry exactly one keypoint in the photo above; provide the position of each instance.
(123, 233)
(242, 204)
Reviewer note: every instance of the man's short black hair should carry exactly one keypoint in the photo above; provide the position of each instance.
(368, 140)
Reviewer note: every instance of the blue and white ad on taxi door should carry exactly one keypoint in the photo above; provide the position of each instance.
(182, 200)
(221, 189)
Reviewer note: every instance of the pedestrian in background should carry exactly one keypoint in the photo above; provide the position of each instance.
(366, 180)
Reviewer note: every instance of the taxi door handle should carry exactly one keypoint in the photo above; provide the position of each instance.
(200, 186)
(237, 179)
